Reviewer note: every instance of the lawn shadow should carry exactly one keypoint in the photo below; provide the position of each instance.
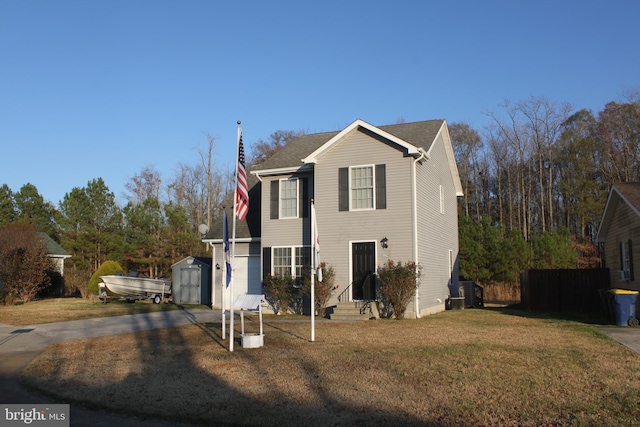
(167, 376)
(516, 309)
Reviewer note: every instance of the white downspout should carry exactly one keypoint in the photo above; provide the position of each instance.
(423, 156)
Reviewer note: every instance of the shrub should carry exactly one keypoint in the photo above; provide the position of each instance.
(23, 263)
(107, 268)
(322, 290)
(77, 282)
(279, 291)
(398, 284)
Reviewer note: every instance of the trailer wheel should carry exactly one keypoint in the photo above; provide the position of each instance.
(157, 299)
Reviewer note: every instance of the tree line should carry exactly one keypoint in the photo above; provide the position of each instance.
(536, 180)
(158, 225)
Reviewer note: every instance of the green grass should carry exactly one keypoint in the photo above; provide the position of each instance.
(471, 367)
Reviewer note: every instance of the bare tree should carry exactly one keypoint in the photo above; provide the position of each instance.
(144, 185)
(262, 150)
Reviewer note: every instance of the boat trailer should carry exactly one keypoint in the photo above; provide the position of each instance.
(157, 298)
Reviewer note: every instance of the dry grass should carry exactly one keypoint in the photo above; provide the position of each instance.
(63, 309)
(470, 367)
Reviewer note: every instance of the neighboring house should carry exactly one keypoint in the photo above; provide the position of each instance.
(56, 253)
(619, 231)
(380, 193)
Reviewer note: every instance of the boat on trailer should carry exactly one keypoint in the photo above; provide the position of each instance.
(132, 287)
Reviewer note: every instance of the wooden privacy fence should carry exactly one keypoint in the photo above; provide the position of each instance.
(566, 290)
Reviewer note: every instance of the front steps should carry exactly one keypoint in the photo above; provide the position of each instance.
(351, 311)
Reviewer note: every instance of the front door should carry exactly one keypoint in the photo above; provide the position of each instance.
(363, 258)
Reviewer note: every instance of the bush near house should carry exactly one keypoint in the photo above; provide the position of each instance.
(322, 289)
(24, 263)
(280, 291)
(398, 283)
(107, 268)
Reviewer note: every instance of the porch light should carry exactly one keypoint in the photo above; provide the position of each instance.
(384, 242)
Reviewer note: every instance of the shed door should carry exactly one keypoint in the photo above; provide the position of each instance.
(363, 258)
(190, 285)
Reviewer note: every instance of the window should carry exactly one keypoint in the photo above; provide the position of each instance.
(362, 188)
(442, 199)
(289, 198)
(282, 261)
(626, 261)
(291, 260)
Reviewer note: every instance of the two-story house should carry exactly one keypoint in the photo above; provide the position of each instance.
(380, 193)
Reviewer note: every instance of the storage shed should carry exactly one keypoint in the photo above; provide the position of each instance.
(191, 282)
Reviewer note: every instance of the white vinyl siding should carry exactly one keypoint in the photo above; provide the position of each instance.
(289, 198)
(362, 189)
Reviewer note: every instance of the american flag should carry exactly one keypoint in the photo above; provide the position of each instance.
(242, 190)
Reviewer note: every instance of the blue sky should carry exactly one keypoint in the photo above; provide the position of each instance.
(103, 88)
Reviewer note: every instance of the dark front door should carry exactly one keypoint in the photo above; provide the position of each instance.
(363, 256)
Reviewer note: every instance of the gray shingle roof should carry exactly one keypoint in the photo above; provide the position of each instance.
(421, 134)
(53, 248)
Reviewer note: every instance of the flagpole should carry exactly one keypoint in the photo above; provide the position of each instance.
(313, 271)
(225, 271)
(233, 239)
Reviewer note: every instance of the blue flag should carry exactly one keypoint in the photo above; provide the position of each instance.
(227, 254)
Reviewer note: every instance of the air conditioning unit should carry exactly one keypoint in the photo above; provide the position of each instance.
(625, 274)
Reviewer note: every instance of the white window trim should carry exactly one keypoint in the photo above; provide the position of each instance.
(281, 205)
(373, 177)
(441, 199)
(292, 266)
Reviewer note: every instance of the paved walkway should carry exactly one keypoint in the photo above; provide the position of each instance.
(20, 344)
(625, 335)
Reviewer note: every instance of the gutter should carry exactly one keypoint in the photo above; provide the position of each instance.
(423, 156)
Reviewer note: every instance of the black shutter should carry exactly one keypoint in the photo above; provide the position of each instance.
(343, 189)
(621, 246)
(381, 187)
(303, 192)
(275, 197)
(630, 262)
(266, 262)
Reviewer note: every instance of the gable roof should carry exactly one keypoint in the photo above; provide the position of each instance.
(303, 151)
(53, 248)
(627, 191)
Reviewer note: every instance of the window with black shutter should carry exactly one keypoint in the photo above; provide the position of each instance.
(362, 188)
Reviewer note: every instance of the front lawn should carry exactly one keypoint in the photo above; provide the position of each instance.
(470, 367)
